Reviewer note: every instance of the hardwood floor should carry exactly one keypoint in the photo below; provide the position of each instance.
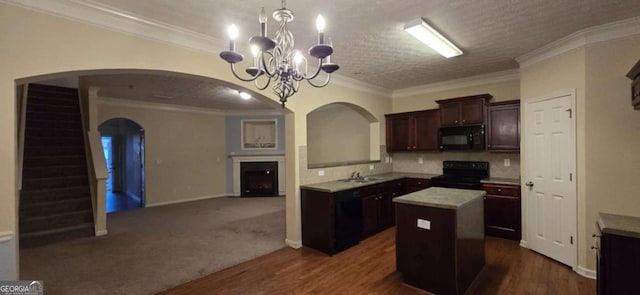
(369, 268)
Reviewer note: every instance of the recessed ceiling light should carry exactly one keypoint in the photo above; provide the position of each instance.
(428, 35)
(244, 95)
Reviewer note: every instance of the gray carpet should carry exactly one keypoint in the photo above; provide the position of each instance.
(153, 249)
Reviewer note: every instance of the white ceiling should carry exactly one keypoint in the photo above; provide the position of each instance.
(368, 37)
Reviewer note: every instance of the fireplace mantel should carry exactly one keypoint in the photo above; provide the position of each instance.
(237, 159)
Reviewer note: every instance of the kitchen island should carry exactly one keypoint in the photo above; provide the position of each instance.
(440, 238)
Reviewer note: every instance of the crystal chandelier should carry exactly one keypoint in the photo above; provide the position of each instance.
(277, 60)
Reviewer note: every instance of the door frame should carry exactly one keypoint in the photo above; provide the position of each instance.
(572, 163)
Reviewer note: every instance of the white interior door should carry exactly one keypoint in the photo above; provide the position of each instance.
(550, 177)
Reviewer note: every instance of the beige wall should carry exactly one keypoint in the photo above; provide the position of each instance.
(179, 165)
(337, 133)
(561, 73)
(39, 44)
(612, 134)
(501, 91)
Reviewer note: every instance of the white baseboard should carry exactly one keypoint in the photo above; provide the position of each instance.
(523, 244)
(293, 244)
(102, 232)
(585, 272)
(185, 200)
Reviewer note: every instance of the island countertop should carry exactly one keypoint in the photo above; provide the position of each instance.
(440, 197)
(627, 226)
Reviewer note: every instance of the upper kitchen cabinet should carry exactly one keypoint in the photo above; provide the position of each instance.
(413, 131)
(460, 111)
(503, 126)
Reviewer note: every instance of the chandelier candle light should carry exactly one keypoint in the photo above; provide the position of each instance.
(277, 60)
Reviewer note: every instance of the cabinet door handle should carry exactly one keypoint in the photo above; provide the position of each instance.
(499, 190)
(463, 121)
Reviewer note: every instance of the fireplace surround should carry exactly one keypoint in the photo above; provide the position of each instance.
(239, 159)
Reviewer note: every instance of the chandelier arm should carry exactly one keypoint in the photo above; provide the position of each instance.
(326, 82)
(317, 71)
(253, 78)
(265, 85)
(264, 64)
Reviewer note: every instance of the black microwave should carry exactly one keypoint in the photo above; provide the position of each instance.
(463, 138)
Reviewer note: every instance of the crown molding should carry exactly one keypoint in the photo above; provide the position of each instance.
(497, 77)
(104, 16)
(178, 108)
(107, 17)
(354, 84)
(612, 31)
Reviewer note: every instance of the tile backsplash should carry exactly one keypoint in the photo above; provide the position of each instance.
(409, 162)
(308, 176)
(432, 162)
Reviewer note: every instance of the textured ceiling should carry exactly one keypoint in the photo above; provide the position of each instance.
(177, 90)
(370, 44)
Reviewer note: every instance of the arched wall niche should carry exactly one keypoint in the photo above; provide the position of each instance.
(341, 134)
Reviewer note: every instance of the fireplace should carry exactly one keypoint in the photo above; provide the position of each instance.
(259, 179)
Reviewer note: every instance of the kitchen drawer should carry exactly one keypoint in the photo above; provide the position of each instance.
(502, 190)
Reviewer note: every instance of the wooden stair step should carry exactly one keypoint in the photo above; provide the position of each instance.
(54, 182)
(53, 151)
(64, 193)
(56, 207)
(38, 123)
(38, 106)
(54, 171)
(44, 141)
(54, 221)
(53, 160)
(56, 132)
(35, 239)
(75, 116)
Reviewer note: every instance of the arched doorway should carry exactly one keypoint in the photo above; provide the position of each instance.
(123, 146)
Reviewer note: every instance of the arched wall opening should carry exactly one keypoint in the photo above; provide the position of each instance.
(123, 147)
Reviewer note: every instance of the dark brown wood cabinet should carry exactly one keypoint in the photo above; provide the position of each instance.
(377, 208)
(618, 262)
(502, 215)
(503, 126)
(415, 184)
(461, 111)
(413, 131)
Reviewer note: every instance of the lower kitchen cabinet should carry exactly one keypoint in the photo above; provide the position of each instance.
(416, 184)
(331, 222)
(502, 211)
(335, 221)
(618, 254)
(377, 211)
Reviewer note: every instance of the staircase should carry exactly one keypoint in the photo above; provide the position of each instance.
(55, 201)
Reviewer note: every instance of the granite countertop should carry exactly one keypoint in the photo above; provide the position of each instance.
(337, 185)
(627, 226)
(440, 197)
(498, 180)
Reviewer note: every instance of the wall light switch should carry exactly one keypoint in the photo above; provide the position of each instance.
(390, 159)
(507, 162)
(425, 224)
(420, 160)
(371, 167)
(320, 172)
(386, 159)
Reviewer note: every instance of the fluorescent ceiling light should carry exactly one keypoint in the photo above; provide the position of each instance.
(428, 35)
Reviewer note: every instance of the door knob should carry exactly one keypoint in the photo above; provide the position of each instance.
(529, 184)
